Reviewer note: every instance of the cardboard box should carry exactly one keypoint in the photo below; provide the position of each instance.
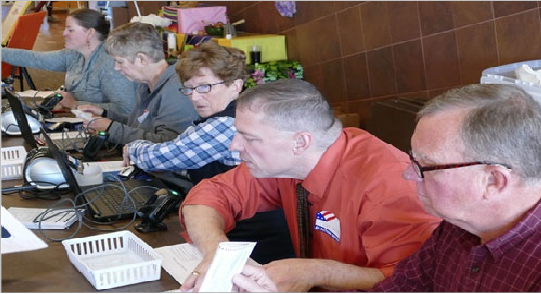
(190, 20)
(273, 47)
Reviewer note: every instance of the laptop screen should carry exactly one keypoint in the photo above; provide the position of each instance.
(18, 112)
(63, 164)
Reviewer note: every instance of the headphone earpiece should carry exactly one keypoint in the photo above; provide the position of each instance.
(42, 171)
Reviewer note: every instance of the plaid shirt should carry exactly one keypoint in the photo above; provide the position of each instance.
(197, 146)
(453, 260)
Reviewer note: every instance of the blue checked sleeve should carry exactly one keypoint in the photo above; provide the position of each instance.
(197, 146)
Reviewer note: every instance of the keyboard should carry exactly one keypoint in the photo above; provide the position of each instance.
(116, 201)
(73, 140)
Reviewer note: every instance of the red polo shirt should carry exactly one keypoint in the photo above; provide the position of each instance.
(362, 211)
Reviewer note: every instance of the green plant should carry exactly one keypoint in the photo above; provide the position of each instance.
(261, 73)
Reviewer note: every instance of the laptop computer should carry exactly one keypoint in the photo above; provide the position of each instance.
(108, 202)
(74, 140)
(70, 140)
(18, 112)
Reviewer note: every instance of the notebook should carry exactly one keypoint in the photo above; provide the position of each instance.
(107, 203)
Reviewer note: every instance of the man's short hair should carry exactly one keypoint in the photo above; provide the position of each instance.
(293, 105)
(502, 123)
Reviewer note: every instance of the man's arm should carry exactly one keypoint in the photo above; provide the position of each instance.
(301, 275)
(205, 227)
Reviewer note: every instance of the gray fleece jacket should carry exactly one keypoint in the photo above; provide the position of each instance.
(158, 116)
(92, 81)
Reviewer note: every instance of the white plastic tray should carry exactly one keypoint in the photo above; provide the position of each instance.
(114, 259)
(505, 74)
(12, 162)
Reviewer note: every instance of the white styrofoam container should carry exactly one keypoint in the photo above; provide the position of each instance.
(505, 74)
(114, 259)
(13, 162)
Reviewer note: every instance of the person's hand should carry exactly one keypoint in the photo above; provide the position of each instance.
(195, 279)
(97, 124)
(289, 275)
(95, 110)
(253, 279)
(125, 156)
(68, 101)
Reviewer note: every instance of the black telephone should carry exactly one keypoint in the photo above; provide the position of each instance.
(156, 209)
(47, 105)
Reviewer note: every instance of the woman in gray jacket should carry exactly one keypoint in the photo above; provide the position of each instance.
(90, 75)
(161, 112)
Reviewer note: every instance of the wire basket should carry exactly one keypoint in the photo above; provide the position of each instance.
(114, 259)
(12, 162)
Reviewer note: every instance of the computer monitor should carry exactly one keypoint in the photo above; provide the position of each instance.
(18, 112)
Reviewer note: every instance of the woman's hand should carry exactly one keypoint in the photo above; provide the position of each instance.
(97, 124)
(95, 110)
(68, 101)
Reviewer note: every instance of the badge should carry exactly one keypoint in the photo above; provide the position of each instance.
(329, 224)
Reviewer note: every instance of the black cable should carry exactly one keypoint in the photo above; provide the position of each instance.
(53, 193)
(15, 189)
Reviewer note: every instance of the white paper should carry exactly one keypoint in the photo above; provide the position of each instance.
(21, 239)
(34, 93)
(82, 114)
(107, 166)
(180, 260)
(72, 120)
(56, 220)
(228, 260)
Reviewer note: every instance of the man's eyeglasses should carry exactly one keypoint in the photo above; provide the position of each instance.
(419, 170)
(202, 89)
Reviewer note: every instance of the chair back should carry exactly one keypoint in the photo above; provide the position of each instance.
(24, 35)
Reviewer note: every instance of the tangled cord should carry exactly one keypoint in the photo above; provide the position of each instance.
(128, 202)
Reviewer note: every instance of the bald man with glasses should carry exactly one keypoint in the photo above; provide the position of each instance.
(476, 161)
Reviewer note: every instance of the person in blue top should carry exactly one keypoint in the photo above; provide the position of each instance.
(213, 77)
(90, 75)
(161, 112)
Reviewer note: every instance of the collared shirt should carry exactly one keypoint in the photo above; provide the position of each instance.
(208, 141)
(454, 260)
(361, 210)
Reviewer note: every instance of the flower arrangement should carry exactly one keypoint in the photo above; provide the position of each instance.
(262, 73)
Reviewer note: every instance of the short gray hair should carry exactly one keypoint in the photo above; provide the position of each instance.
(129, 39)
(502, 123)
(294, 105)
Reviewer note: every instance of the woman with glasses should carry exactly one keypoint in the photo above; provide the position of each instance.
(161, 113)
(90, 75)
(213, 77)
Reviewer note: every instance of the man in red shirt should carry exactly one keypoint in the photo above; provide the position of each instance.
(362, 217)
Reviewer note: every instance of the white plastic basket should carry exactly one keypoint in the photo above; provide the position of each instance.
(505, 74)
(114, 259)
(12, 162)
